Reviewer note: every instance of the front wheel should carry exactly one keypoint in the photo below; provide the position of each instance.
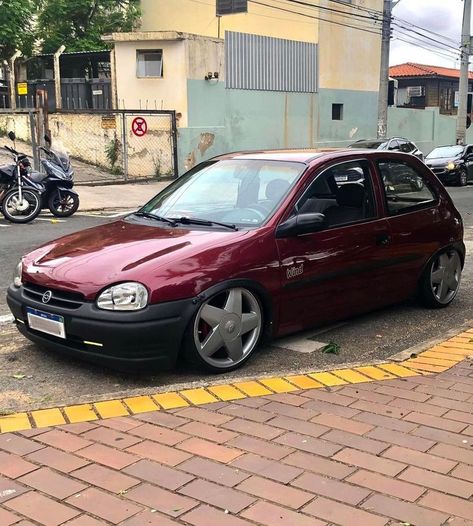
(63, 204)
(21, 211)
(441, 279)
(225, 330)
(462, 178)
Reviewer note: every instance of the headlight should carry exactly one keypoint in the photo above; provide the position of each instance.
(17, 274)
(125, 296)
(451, 166)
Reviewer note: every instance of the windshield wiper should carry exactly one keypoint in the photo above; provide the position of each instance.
(157, 218)
(203, 222)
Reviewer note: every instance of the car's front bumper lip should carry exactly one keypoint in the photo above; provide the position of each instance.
(122, 340)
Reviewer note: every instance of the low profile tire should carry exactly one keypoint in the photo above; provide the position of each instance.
(225, 331)
(462, 178)
(63, 205)
(441, 280)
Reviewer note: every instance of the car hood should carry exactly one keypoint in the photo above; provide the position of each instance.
(125, 250)
(442, 161)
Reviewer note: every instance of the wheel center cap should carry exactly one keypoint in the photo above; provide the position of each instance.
(230, 327)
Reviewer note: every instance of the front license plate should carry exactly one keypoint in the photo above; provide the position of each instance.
(341, 178)
(46, 322)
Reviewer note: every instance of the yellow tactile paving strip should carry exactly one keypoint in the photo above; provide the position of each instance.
(434, 360)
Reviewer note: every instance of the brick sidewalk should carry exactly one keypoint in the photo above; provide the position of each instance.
(383, 453)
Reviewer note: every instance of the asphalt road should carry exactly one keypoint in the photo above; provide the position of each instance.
(32, 378)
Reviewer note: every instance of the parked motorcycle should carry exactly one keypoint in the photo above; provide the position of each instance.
(57, 180)
(20, 197)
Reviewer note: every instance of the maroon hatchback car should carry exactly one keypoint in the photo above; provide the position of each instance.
(243, 247)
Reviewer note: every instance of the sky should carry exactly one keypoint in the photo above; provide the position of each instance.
(441, 16)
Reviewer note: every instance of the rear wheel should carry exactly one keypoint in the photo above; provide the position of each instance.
(225, 330)
(462, 178)
(441, 279)
(63, 204)
(22, 210)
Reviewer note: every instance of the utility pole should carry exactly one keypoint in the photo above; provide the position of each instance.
(384, 71)
(465, 60)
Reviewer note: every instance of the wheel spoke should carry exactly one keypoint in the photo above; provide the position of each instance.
(437, 276)
(212, 343)
(234, 301)
(249, 322)
(442, 290)
(212, 315)
(452, 282)
(235, 349)
(443, 260)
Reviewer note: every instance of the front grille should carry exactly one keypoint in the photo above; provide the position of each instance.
(439, 171)
(59, 298)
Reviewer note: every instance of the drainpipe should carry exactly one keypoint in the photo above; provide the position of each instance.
(57, 77)
(13, 79)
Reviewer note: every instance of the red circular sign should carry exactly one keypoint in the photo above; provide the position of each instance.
(139, 126)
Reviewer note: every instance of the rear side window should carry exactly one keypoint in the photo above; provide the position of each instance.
(405, 188)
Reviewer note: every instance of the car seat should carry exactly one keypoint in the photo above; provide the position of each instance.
(350, 205)
(275, 189)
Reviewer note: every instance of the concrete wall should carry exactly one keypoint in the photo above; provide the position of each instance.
(15, 122)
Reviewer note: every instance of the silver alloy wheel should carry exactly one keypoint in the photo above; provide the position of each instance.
(26, 207)
(445, 276)
(463, 178)
(227, 327)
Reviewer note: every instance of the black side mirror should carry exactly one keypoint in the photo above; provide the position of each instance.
(11, 135)
(302, 224)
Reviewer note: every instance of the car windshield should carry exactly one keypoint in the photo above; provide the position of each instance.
(241, 192)
(370, 145)
(443, 152)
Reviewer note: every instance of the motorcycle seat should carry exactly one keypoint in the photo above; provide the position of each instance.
(37, 177)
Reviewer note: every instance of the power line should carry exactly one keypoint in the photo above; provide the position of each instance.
(453, 41)
(417, 44)
(426, 37)
(358, 7)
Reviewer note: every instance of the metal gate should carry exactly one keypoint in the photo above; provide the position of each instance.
(149, 140)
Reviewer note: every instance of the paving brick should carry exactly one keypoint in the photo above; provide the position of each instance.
(443, 393)
(57, 459)
(253, 428)
(408, 405)
(249, 413)
(463, 471)
(319, 465)
(260, 447)
(408, 394)
(162, 418)
(298, 413)
(104, 505)
(207, 516)
(448, 504)
(120, 423)
(166, 436)
(355, 441)
(370, 462)
(435, 421)
(439, 482)
(149, 518)
(105, 478)
(229, 475)
(252, 402)
(159, 452)
(30, 433)
(342, 514)
(400, 439)
(50, 482)
(13, 466)
(453, 453)
(387, 485)
(445, 403)
(62, 440)
(7, 518)
(41, 509)
(78, 428)
(161, 500)
(10, 489)
(344, 424)
(456, 522)
(309, 444)
(18, 445)
(368, 396)
(207, 449)
(442, 436)
(266, 468)
(468, 431)
(208, 432)
(319, 485)
(419, 459)
(203, 415)
(331, 396)
(84, 520)
(384, 422)
(379, 409)
(217, 495)
(155, 473)
(110, 437)
(271, 515)
(289, 398)
(108, 456)
(320, 406)
(291, 424)
(404, 511)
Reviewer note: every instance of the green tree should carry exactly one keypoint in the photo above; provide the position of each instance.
(80, 24)
(16, 27)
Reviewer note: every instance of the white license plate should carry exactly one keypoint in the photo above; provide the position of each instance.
(341, 178)
(45, 322)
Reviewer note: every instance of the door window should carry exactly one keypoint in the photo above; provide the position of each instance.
(405, 188)
(393, 145)
(406, 147)
(343, 193)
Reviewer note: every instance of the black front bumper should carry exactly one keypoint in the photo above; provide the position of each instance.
(447, 176)
(128, 341)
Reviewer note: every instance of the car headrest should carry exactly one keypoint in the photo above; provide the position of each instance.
(351, 194)
(276, 188)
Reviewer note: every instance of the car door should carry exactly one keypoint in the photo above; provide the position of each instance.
(412, 215)
(338, 271)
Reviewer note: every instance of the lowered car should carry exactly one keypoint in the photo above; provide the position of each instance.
(243, 248)
(393, 144)
(452, 164)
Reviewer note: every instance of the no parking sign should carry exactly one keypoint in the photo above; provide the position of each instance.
(139, 126)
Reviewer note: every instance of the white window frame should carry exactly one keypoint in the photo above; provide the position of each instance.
(141, 63)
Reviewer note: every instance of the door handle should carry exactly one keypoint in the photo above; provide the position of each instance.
(383, 239)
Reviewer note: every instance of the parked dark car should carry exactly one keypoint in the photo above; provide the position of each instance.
(393, 144)
(243, 247)
(452, 164)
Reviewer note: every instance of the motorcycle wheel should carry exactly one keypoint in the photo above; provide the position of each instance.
(21, 212)
(63, 205)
